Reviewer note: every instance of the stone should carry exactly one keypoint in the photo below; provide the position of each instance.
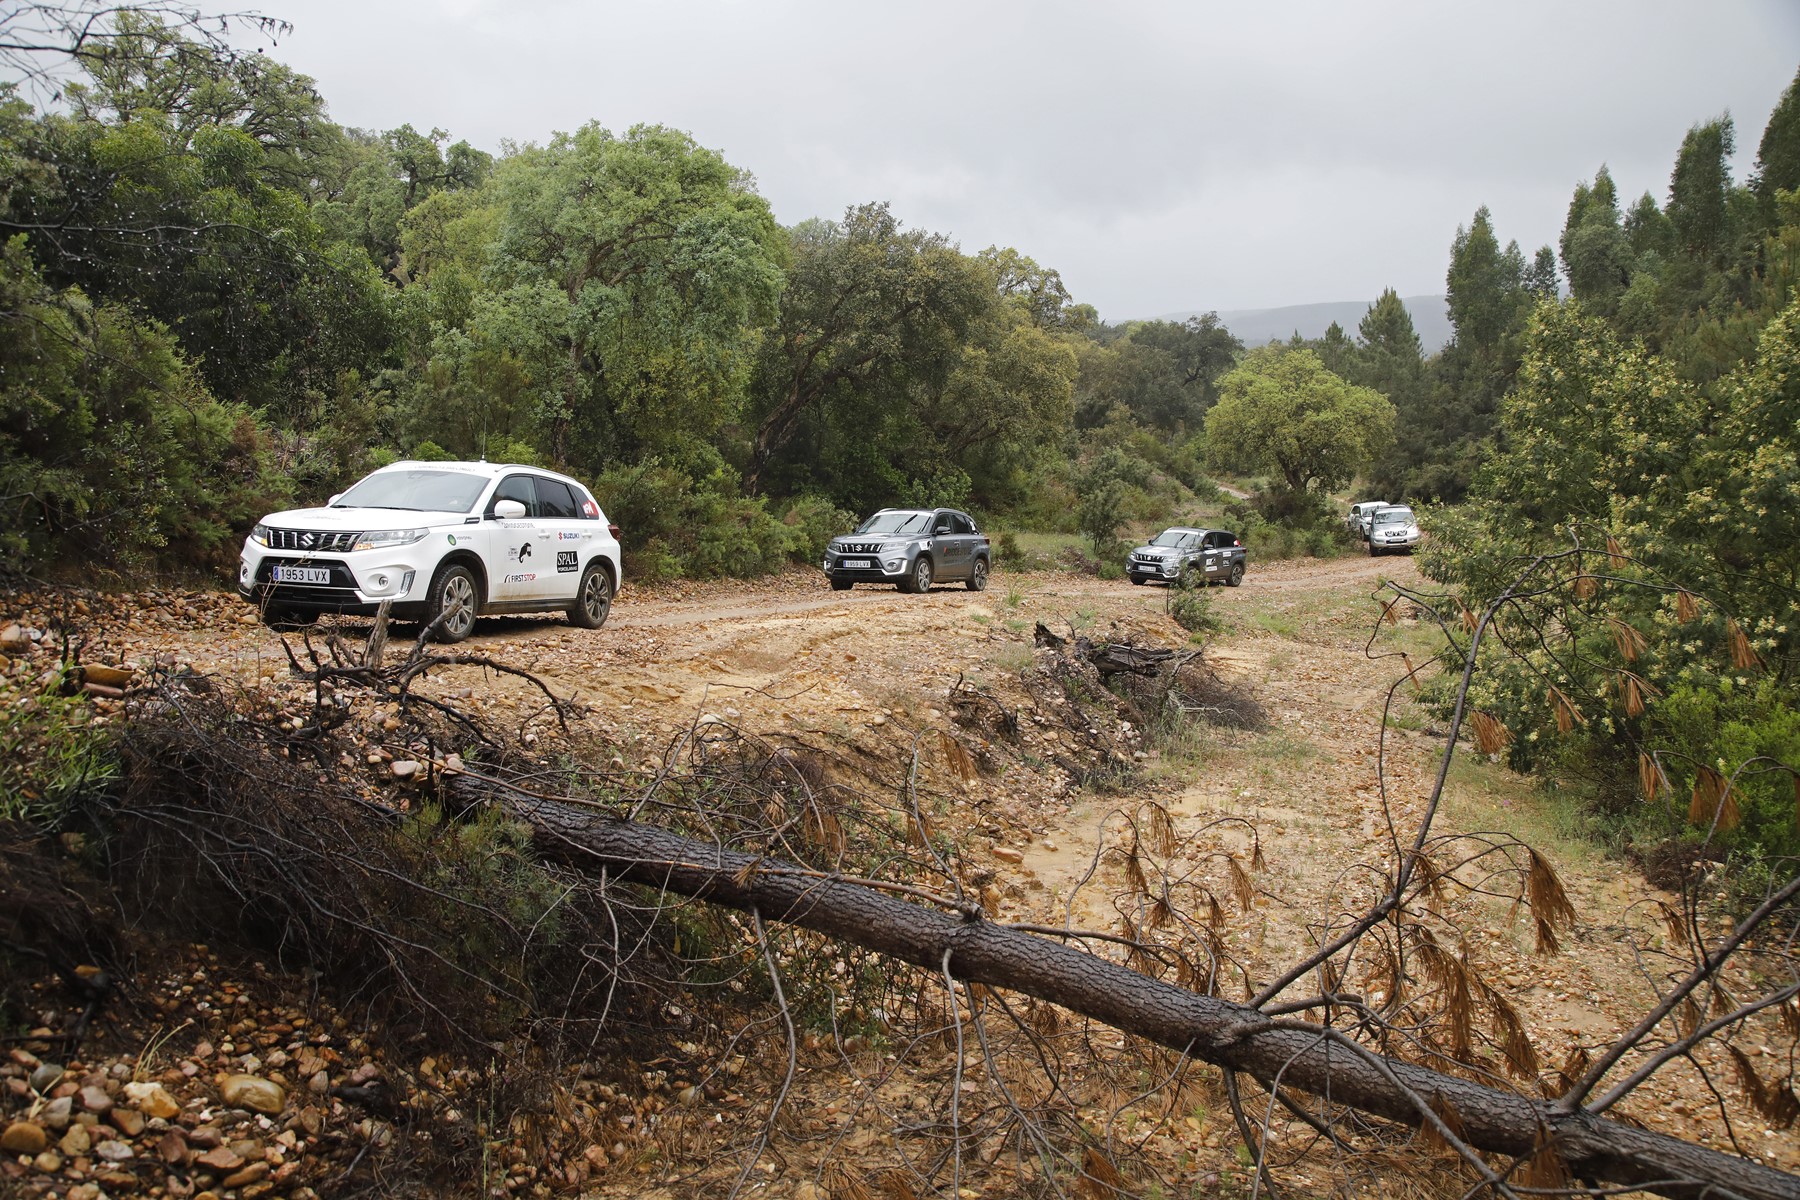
(113, 1150)
(319, 1084)
(14, 639)
(76, 1142)
(403, 768)
(57, 1113)
(24, 1137)
(220, 1158)
(95, 1100)
(128, 1121)
(49, 1162)
(153, 1100)
(252, 1092)
(207, 1137)
(248, 1175)
(172, 1147)
(45, 1076)
(1008, 854)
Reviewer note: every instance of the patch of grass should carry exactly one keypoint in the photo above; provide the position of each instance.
(1547, 817)
(1083, 619)
(1282, 624)
(51, 755)
(1014, 597)
(1017, 624)
(1013, 659)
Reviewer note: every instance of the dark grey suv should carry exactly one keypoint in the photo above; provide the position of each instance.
(1197, 555)
(911, 548)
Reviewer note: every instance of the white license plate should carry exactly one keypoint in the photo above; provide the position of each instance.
(302, 575)
(856, 564)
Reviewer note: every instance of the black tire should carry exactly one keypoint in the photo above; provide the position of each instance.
(1137, 580)
(454, 586)
(593, 599)
(978, 575)
(842, 585)
(1237, 575)
(918, 580)
(1374, 550)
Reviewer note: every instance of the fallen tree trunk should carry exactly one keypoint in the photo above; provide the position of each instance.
(1301, 1056)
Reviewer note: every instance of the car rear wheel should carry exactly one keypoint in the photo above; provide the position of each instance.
(842, 585)
(1237, 575)
(918, 580)
(453, 592)
(978, 575)
(593, 599)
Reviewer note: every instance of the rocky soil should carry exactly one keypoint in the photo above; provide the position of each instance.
(222, 1077)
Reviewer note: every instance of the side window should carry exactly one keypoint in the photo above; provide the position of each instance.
(1227, 539)
(555, 502)
(961, 524)
(943, 524)
(516, 487)
(1215, 540)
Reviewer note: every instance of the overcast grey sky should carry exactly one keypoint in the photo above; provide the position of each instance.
(1162, 156)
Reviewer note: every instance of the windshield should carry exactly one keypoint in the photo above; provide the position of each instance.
(1171, 537)
(1394, 516)
(423, 490)
(897, 522)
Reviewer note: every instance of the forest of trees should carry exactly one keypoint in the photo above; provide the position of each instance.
(219, 302)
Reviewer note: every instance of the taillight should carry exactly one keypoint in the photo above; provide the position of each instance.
(614, 530)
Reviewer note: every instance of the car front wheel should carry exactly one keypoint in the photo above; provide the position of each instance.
(842, 585)
(918, 580)
(593, 599)
(978, 575)
(453, 592)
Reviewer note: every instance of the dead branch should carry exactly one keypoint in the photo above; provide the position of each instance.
(1238, 1038)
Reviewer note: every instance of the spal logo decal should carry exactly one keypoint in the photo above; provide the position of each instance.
(521, 578)
(566, 562)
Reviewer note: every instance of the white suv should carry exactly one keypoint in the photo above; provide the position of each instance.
(437, 538)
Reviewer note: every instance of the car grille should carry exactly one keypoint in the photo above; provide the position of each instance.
(860, 547)
(310, 542)
(1145, 558)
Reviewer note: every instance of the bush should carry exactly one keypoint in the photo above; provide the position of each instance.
(1189, 605)
(112, 452)
(51, 756)
(674, 525)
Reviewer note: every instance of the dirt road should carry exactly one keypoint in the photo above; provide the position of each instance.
(869, 672)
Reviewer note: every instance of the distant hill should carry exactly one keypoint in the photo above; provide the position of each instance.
(1256, 326)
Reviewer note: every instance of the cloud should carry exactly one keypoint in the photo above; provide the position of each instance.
(1161, 155)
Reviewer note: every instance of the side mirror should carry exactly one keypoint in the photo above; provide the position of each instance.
(332, 503)
(508, 510)
(940, 531)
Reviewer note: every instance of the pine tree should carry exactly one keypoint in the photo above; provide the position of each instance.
(1700, 191)
(1778, 154)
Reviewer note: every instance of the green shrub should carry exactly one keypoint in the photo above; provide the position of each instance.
(673, 524)
(51, 756)
(1190, 606)
(112, 452)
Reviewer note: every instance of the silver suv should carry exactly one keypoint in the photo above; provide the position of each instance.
(911, 548)
(449, 540)
(1391, 529)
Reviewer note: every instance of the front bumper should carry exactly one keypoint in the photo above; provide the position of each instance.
(867, 568)
(1139, 568)
(346, 583)
(1401, 542)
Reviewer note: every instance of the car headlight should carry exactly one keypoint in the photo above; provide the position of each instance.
(377, 539)
(260, 535)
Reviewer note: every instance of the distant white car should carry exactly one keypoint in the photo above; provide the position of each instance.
(1392, 529)
(431, 539)
(1360, 512)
